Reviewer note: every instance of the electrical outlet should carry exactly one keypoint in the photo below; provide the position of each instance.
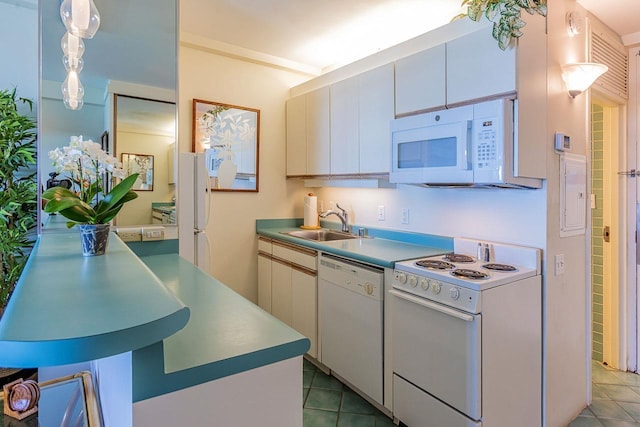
(129, 234)
(559, 261)
(152, 233)
(381, 213)
(405, 216)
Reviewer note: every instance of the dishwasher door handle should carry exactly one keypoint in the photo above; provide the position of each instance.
(434, 306)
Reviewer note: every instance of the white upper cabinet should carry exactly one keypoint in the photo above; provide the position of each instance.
(361, 111)
(375, 114)
(297, 135)
(477, 68)
(345, 135)
(421, 81)
(308, 134)
(318, 132)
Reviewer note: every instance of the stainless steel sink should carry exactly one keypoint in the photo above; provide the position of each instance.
(321, 235)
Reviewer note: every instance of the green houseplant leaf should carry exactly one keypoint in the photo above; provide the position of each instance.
(18, 188)
(505, 15)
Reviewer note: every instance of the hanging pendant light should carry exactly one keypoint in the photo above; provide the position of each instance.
(80, 17)
(72, 91)
(73, 103)
(72, 46)
(72, 63)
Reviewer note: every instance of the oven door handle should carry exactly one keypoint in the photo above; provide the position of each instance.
(428, 304)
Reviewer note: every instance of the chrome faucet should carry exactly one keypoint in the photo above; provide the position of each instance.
(344, 217)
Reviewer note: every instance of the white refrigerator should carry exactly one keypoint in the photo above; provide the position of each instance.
(194, 209)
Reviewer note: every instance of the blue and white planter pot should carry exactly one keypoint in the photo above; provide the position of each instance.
(94, 238)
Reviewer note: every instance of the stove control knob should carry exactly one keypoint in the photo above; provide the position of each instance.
(413, 281)
(436, 287)
(401, 277)
(424, 284)
(454, 293)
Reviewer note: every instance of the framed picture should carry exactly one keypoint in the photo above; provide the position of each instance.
(141, 164)
(229, 135)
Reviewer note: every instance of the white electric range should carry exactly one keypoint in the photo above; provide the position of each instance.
(467, 336)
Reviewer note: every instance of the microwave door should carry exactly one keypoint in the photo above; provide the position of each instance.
(437, 154)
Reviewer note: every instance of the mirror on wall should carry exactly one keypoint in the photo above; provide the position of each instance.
(229, 135)
(130, 80)
(144, 141)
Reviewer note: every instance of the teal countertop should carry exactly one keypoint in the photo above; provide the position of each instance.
(226, 334)
(382, 247)
(67, 308)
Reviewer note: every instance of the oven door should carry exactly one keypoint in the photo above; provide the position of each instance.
(438, 349)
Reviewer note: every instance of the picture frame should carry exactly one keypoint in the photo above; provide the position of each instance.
(230, 137)
(141, 164)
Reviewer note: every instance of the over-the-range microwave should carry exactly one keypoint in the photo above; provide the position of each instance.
(471, 145)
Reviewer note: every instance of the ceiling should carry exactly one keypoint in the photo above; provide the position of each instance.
(317, 34)
(329, 33)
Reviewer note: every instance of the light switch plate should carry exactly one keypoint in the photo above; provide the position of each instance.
(559, 262)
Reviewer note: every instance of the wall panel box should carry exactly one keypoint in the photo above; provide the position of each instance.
(152, 233)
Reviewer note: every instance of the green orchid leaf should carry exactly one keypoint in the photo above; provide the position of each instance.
(111, 214)
(105, 213)
(63, 203)
(57, 193)
(117, 193)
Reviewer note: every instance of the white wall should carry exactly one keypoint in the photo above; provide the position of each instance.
(565, 295)
(19, 50)
(515, 216)
(211, 77)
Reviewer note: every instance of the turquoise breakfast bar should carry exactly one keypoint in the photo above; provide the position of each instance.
(67, 308)
(167, 343)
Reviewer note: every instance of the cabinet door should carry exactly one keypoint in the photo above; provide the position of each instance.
(420, 81)
(303, 298)
(281, 291)
(297, 136)
(375, 98)
(264, 283)
(344, 127)
(477, 68)
(318, 133)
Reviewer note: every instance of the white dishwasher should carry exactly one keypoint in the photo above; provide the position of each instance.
(350, 302)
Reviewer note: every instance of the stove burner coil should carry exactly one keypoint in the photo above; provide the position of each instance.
(458, 258)
(469, 274)
(433, 264)
(499, 267)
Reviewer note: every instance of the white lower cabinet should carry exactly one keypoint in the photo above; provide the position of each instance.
(287, 286)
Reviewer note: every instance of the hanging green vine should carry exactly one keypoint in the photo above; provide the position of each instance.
(505, 15)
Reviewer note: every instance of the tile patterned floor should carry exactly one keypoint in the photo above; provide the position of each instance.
(328, 402)
(616, 399)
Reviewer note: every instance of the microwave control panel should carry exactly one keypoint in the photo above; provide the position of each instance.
(486, 149)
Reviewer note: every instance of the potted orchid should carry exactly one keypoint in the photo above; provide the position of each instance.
(88, 203)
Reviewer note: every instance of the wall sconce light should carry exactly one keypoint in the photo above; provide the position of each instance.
(580, 76)
(80, 17)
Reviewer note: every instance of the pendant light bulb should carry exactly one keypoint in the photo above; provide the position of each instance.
(80, 17)
(73, 63)
(72, 46)
(71, 87)
(73, 103)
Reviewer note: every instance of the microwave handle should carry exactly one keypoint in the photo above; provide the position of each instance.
(469, 138)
